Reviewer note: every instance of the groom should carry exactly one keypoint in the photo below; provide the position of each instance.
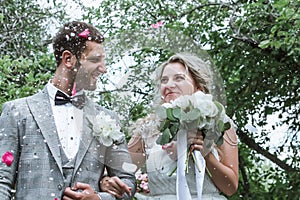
(50, 135)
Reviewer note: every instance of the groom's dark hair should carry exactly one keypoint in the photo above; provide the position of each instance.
(68, 38)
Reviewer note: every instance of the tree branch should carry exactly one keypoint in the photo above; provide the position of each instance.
(123, 90)
(246, 188)
(253, 145)
(202, 6)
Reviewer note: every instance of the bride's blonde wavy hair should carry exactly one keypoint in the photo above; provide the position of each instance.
(198, 68)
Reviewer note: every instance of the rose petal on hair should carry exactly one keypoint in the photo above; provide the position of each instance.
(84, 33)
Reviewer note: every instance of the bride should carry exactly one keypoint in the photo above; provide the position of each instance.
(182, 74)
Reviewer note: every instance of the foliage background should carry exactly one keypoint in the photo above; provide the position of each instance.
(255, 46)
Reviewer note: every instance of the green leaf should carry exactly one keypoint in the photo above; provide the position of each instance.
(170, 115)
(264, 44)
(161, 112)
(220, 125)
(1, 18)
(219, 106)
(177, 113)
(193, 114)
(164, 125)
(164, 138)
(219, 141)
(227, 126)
(184, 117)
(174, 129)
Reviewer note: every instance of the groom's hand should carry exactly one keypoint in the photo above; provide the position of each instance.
(80, 191)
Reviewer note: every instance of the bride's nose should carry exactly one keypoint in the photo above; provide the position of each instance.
(170, 84)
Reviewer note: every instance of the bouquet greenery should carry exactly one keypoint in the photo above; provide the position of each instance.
(196, 111)
(193, 112)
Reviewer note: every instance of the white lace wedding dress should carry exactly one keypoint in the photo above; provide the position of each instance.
(163, 187)
(159, 166)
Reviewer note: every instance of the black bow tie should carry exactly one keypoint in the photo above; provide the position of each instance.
(61, 99)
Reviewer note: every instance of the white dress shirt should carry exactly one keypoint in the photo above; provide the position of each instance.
(69, 123)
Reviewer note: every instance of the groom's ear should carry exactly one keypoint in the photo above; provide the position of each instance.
(68, 59)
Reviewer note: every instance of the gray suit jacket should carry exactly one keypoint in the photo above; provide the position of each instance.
(27, 129)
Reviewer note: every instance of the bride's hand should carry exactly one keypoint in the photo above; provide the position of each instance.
(115, 186)
(171, 150)
(195, 140)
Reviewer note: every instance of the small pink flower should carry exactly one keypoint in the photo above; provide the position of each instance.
(139, 177)
(142, 183)
(8, 158)
(84, 33)
(157, 25)
(146, 188)
(144, 177)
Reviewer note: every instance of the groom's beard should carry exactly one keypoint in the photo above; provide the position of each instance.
(84, 79)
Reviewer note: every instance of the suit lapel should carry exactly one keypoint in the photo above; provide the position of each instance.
(41, 110)
(87, 135)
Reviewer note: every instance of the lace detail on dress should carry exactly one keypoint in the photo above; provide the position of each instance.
(159, 165)
(163, 187)
(147, 128)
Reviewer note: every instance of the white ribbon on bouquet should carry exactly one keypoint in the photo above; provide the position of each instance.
(182, 188)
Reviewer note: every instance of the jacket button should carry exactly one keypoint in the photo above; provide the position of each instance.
(59, 187)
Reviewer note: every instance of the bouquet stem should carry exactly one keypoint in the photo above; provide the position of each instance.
(187, 161)
(172, 172)
(195, 161)
(189, 153)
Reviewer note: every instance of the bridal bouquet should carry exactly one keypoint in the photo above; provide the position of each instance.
(190, 112)
(193, 112)
(187, 113)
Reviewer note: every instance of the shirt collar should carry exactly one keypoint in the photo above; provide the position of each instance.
(52, 90)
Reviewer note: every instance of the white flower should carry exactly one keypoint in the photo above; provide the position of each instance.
(182, 102)
(204, 103)
(196, 111)
(167, 105)
(193, 112)
(106, 129)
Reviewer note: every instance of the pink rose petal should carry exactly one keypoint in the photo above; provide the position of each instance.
(8, 158)
(157, 25)
(154, 25)
(84, 33)
(74, 89)
(160, 23)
